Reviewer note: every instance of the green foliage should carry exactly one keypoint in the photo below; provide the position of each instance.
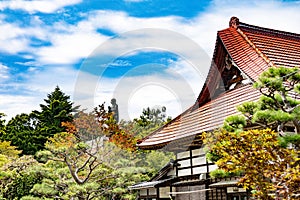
(8, 150)
(290, 139)
(58, 182)
(234, 122)
(155, 160)
(153, 117)
(212, 156)
(2, 124)
(52, 183)
(270, 116)
(248, 108)
(117, 169)
(266, 166)
(29, 197)
(18, 178)
(278, 107)
(263, 154)
(274, 77)
(21, 185)
(220, 173)
(29, 132)
(7, 153)
(58, 109)
(81, 157)
(21, 131)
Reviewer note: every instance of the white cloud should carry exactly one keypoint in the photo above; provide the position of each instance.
(69, 48)
(189, 73)
(199, 29)
(135, 93)
(270, 14)
(13, 39)
(78, 41)
(44, 6)
(38, 84)
(44, 81)
(68, 43)
(120, 63)
(4, 73)
(72, 42)
(177, 89)
(11, 105)
(16, 38)
(152, 95)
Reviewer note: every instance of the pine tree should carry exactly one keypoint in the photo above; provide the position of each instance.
(278, 107)
(58, 109)
(21, 131)
(29, 132)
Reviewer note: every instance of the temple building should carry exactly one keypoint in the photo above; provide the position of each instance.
(242, 52)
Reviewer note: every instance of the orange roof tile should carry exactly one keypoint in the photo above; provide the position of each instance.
(207, 117)
(242, 52)
(253, 49)
(282, 48)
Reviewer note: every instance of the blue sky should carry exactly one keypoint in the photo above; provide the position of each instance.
(142, 52)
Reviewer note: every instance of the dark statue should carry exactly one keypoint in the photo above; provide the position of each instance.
(114, 109)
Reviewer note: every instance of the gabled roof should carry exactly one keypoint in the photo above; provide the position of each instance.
(253, 49)
(281, 48)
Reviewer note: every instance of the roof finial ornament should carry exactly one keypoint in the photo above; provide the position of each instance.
(234, 22)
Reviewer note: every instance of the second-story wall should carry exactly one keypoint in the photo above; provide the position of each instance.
(193, 162)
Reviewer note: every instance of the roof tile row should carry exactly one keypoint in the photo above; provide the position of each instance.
(205, 118)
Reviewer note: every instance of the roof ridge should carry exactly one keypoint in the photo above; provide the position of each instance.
(268, 30)
(261, 54)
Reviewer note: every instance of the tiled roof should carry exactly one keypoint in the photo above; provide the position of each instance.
(253, 49)
(282, 48)
(242, 52)
(205, 118)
